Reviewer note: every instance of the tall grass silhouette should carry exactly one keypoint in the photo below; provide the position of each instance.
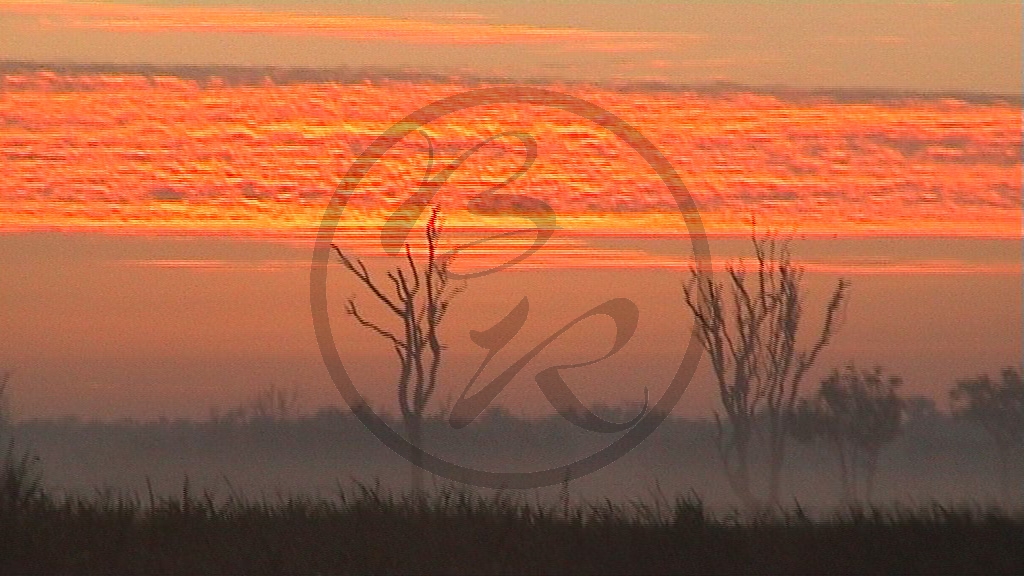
(453, 530)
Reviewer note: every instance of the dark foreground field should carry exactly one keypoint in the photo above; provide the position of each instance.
(456, 532)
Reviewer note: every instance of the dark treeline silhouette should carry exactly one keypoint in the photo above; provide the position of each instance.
(998, 408)
(856, 413)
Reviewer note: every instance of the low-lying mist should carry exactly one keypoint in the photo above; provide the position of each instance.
(936, 457)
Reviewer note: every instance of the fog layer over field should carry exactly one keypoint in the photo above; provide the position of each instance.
(936, 458)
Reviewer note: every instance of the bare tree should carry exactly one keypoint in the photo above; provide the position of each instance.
(749, 326)
(857, 412)
(419, 297)
(998, 407)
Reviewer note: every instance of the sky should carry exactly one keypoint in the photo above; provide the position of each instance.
(157, 223)
(972, 46)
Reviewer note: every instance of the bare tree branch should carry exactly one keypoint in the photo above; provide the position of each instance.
(422, 297)
(750, 334)
(364, 276)
(352, 310)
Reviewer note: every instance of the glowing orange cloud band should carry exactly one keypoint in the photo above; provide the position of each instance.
(133, 154)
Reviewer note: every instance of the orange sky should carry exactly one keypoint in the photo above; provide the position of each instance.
(131, 154)
(156, 225)
(205, 193)
(923, 45)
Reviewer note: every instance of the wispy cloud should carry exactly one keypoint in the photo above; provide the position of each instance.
(452, 31)
(890, 40)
